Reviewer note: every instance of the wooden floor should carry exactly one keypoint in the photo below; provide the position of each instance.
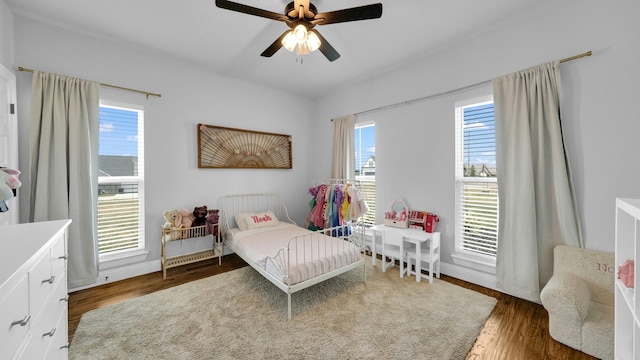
(516, 329)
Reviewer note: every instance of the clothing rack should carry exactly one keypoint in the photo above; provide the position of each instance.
(327, 210)
(335, 182)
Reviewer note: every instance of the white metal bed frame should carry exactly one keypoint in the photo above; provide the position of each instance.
(252, 203)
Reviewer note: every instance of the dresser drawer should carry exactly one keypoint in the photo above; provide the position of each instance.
(47, 327)
(59, 346)
(14, 309)
(33, 279)
(59, 257)
(41, 283)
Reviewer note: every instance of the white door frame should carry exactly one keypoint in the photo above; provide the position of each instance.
(8, 136)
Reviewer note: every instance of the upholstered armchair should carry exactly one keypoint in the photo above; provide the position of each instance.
(579, 298)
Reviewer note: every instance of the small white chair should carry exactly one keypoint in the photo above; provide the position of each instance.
(393, 248)
(429, 254)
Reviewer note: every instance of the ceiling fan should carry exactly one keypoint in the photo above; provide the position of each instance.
(302, 16)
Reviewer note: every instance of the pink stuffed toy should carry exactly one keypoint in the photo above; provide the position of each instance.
(626, 273)
(8, 182)
(212, 221)
(184, 218)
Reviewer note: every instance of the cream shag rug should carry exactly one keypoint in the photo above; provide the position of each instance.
(240, 315)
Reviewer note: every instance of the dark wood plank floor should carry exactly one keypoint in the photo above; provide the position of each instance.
(516, 329)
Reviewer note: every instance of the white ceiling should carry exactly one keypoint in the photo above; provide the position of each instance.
(230, 43)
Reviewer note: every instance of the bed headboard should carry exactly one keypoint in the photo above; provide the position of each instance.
(249, 203)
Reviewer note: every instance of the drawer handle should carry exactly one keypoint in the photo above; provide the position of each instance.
(65, 257)
(22, 322)
(66, 298)
(49, 280)
(66, 346)
(50, 333)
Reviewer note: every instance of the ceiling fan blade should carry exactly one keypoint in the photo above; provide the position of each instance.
(246, 9)
(273, 48)
(326, 48)
(365, 12)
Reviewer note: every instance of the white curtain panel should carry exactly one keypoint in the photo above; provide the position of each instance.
(343, 155)
(537, 202)
(64, 160)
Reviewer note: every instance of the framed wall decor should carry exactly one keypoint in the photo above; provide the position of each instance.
(227, 148)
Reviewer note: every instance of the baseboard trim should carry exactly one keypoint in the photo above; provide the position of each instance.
(123, 272)
(147, 267)
(470, 275)
(128, 271)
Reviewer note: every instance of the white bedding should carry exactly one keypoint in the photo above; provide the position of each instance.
(310, 255)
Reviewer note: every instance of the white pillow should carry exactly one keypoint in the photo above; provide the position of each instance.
(240, 221)
(261, 219)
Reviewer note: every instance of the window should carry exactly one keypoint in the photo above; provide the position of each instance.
(365, 145)
(476, 179)
(120, 180)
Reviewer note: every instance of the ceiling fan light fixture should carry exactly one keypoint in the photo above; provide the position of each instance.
(313, 41)
(303, 49)
(300, 32)
(302, 40)
(289, 42)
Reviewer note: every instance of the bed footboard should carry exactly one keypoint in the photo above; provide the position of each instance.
(317, 253)
(309, 258)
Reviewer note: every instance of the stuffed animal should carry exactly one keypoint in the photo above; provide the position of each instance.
(212, 221)
(170, 219)
(200, 215)
(5, 190)
(8, 182)
(184, 218)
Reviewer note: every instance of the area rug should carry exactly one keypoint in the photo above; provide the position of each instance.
(240, 315)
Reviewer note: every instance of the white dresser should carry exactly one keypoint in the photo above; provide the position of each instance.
(33, 290)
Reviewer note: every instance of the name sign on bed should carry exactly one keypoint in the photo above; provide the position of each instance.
(248, 221)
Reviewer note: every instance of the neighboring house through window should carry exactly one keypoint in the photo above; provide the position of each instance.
(476, 200)
(120, 180)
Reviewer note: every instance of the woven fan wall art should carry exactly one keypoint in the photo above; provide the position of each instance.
(222, 147)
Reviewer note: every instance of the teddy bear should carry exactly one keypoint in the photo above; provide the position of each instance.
(200, 215)
(212, 221)
(170, 219)
(184, 218)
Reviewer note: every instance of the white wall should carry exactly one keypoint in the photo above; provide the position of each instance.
(190, 95)
(6, 36)
(415, 143)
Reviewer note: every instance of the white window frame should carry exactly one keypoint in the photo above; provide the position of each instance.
(128, 256)
(462, 256)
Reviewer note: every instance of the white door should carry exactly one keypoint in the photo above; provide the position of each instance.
(8, 136)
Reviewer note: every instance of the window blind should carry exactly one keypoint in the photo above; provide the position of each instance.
(479, 213)
(120, 181)
(476, 180)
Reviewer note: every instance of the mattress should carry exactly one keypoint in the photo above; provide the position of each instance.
(310, 254)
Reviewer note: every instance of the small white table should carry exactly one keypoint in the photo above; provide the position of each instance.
(414, 236)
